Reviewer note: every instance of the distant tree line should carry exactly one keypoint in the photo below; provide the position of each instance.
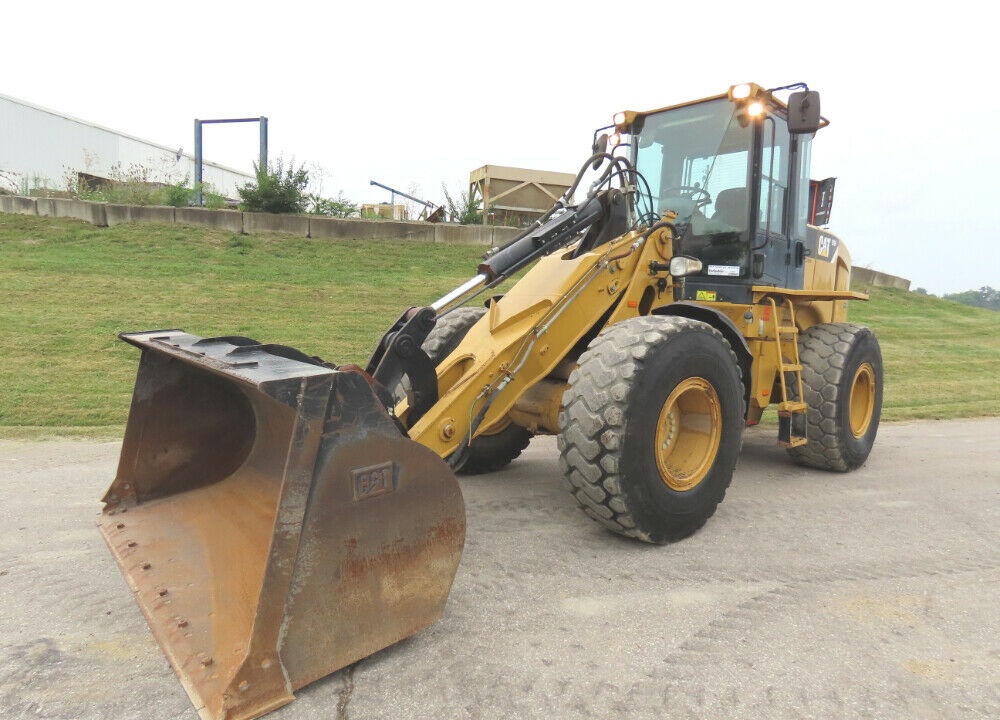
(984, 297)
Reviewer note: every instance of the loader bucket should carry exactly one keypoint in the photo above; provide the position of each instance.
(271, 520)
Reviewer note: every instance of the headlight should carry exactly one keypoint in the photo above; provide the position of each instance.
(623, 120)
(740, 92)
(682, 266)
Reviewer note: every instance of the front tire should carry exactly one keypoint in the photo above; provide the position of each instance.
(842, 383)
(495, 448)
(652, 426)
(449, 331)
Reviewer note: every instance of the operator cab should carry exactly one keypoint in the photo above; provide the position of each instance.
(736, 172)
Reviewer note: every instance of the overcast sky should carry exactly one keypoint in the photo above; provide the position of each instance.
(418, 94)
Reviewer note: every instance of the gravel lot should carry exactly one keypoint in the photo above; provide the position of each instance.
(809, 595)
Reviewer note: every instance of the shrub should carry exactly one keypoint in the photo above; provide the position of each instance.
(185, 196)
(213, 200)
(178, 194)
(332, 207)
(277, 189)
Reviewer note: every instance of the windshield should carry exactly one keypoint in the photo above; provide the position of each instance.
(696, 161)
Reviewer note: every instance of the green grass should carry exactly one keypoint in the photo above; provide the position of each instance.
(942, 359)
(67, 289)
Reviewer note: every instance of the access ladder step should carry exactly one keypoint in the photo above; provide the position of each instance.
(794, 442)
(792, 406)
(787, 436)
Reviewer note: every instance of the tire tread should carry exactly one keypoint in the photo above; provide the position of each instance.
(595, 412)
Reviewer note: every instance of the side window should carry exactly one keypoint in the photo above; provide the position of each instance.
(802, 211)
(774, 176)
(651, 165)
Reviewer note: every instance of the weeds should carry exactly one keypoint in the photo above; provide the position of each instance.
(466, 210)
(135, 185)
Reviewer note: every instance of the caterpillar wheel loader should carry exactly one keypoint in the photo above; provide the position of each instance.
(279, 517)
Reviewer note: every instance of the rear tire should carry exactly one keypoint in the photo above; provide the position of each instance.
(842, 383)
(494, 449)
(652, 426)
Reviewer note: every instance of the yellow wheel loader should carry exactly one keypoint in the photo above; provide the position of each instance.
(279, 517)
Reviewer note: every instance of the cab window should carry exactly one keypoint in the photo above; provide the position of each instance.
(697, 162)
(774, 177)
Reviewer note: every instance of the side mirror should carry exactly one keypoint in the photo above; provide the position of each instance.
(803, 112)
(600, 147)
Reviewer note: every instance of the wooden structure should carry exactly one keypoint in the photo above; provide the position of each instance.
(386, 211)
(515, 196)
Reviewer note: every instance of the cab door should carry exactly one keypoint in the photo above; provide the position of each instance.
(778, 250)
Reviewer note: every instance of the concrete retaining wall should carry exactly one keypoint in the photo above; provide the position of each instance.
(503, 235)
(311, 226)
(17, 205)
(121, 214)
(231, 220)
(323, 227)
(254, 223)
(862, 278)
(45, 207)
(91, 212)
(474, 234)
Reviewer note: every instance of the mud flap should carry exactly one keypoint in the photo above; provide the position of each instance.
(271, 520)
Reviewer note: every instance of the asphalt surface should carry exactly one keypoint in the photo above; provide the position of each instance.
(874, 594)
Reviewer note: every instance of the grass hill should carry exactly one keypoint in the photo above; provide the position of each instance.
(67, 288)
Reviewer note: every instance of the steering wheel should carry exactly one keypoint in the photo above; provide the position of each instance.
(699, 196)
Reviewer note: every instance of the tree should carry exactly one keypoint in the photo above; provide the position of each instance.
(277, 189)
(984, 297)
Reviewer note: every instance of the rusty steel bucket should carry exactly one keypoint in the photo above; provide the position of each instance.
(272, 521)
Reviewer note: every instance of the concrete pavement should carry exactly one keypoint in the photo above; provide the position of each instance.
(809, 595)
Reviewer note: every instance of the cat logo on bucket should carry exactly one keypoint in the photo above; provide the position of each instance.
(373, 480)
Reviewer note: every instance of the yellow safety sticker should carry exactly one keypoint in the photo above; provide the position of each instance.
(708, 295)
(824, 246)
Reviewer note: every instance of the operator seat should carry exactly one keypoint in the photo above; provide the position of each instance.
(731, 207)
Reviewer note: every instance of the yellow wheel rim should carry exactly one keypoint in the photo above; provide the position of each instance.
(862, 400)
(688, 433)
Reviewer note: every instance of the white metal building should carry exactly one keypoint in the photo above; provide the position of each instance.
(40, 148)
